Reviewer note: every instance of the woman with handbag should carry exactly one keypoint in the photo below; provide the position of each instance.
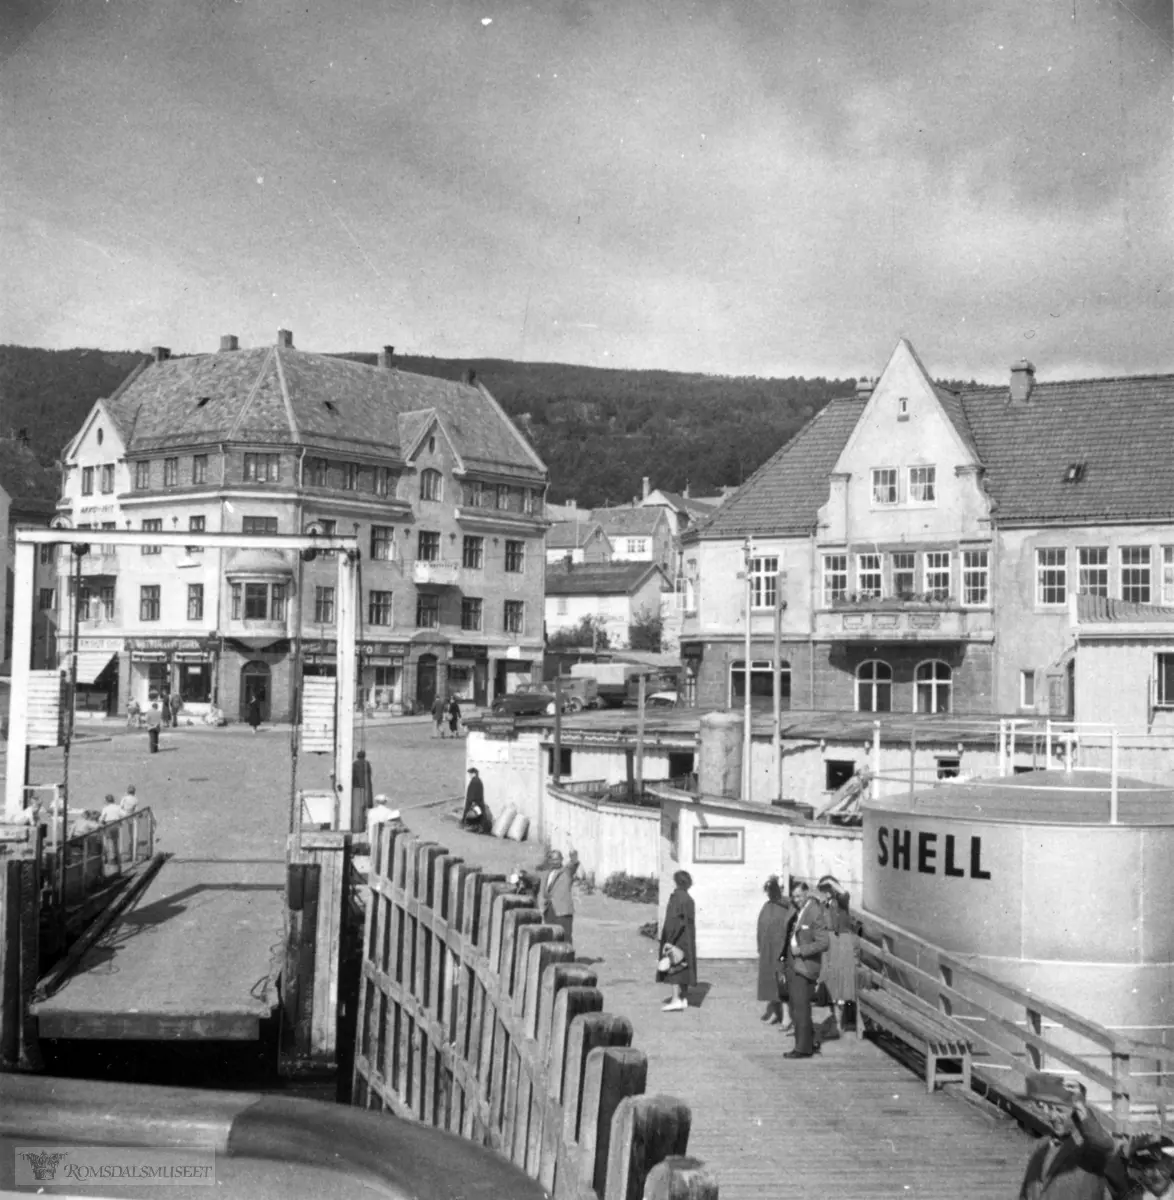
(678, 945)
(772, 941)
(839, 963)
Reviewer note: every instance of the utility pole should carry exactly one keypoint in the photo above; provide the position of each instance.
(777, 733)
(747, 742)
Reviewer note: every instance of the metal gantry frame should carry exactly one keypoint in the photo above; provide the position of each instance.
(27, 541)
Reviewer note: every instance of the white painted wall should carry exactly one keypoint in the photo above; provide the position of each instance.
(608, 837)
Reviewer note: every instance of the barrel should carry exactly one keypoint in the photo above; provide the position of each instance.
(719, 768)
(504, 820)
(519, 828)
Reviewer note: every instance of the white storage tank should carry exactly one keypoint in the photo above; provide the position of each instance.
(719, 765)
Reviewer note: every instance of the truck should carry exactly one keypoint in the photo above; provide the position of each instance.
(611, 679)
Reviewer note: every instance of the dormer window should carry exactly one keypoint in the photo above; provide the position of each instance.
(1074, 472)
(903, 408)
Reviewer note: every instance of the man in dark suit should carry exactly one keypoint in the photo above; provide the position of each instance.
(807, 940)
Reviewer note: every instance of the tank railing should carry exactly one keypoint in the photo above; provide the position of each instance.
(85, 864)
(1009, 1044)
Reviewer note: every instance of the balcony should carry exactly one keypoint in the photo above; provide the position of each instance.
(876, 619)
(439, 572)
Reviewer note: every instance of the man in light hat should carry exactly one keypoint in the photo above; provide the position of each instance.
(475, 816)
(556, 901)
(1063, 1165)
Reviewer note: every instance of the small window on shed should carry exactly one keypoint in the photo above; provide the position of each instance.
(837, 772)
(680, 763)
(949, 768)
(564, 760)
(719, 845)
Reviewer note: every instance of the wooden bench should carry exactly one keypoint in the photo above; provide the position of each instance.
(920, 1026)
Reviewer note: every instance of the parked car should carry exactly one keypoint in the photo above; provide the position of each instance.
(535, 702)
(662, 700)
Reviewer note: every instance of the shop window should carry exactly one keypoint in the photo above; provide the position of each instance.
(837, 772)
(195, 683)
(716, 845)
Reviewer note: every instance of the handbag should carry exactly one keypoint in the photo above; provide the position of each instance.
(781, 982)
(671, 957)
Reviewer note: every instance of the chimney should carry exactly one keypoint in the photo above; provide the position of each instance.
(1022, 379)
(468, 375)
(386, 358)
(647, 489)
(285, 338)
(864, 388)
(160, 353)
(228, 341)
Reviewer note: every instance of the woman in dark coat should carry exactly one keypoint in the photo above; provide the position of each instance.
(839, 963)
(680, 930)
(254, 711)
(772, 941)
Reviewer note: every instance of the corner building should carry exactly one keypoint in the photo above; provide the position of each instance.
(444, 493)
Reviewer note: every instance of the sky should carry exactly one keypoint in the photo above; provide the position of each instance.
(742, 188)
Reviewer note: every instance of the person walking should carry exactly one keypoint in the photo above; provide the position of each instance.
(362, 792)
(154, 722)
(807, 943)
(438, 715)
(165, 708)
(476, 815)
(134, 714)
(839, 963)
(680, 931)
(556, 901)
(254, 711)
(454, 718)
(773, 919)
(176, 709)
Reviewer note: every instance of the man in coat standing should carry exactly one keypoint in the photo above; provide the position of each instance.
(362, 792)
(555, 900)
(475, 816)
(805, 950)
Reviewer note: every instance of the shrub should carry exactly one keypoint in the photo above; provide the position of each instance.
(642, 889)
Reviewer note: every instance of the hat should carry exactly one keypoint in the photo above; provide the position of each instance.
(554, 858)
(471, 771)
(1052, 1087)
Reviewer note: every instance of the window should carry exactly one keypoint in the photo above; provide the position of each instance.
(427, 611)
(261, 468)
(256, 601)
(107, 482)
(324, 605)
(48, 554)
(530, 501)
(199, 468)
(715, 845)
(106, 602)
(1168, 574)
(329, 528)
(152, 525)
(884, 485)
(195, 601)
(196, 525)
(761, 685)
(350, 477)
(471, 608)
(515, 556)
(428, 546)
(379, 608)
(431, 485)
(932, 683)
(904, 574)
(515, 616)
(170, 472)
(1093, 573)
(1051, 575)
(382, 543)
(258, 525)
(473, 553)
(277, 604)
(315, 472)
(87, 481)
(1164, 683)
(923, 485)
(503, 495)
(903, 408)
(874, 687)
(937, 574)
(565, 756)
(1027, 689)
(837, 772)
(975, 577)
(474, 494)
(382, 481)
(636, 546)
(1135, 574)
(142, 476)
(149, 602)
(869, 579)
(46, 598)
(107, 549)
(236, 601)
(949, 766)
(835, 577)
(764, 579)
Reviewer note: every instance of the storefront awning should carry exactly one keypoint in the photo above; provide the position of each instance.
(91, 664)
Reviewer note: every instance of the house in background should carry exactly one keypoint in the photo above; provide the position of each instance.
(616, 593)
(578, 541)
(923, 546)
(639, 535)
(28, 500)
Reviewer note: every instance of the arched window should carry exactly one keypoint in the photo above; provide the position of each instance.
(430, 485)
(934, 681)
(761, 685)
(874, 686)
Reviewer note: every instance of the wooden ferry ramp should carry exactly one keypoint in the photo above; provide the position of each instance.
(194, 956)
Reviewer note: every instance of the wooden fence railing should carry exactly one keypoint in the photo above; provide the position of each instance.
(476, 1018)
(1015, 1031)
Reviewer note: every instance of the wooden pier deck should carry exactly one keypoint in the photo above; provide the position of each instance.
(195, 957)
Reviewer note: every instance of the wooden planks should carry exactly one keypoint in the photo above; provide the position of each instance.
(475, 1017)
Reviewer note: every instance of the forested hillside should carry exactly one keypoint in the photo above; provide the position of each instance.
(599, 431)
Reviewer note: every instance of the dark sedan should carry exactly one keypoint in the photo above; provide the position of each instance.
(527, 704)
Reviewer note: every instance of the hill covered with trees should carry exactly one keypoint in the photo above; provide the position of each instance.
(599, 431)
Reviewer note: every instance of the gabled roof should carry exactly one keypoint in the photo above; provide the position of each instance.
(628, 521)
(570, 535)
(278, 394)
(695, 510)
(1120, 430)
(598, 579)
(785, 494)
